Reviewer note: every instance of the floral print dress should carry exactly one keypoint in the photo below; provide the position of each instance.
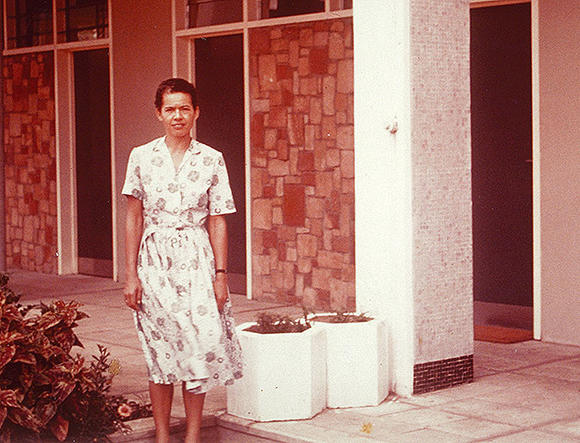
(184, 337)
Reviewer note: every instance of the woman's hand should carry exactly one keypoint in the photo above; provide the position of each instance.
(133, 292)
(220, 287)
(133, 232)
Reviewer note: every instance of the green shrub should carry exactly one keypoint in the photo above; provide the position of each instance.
(43, 388)
(278, 324)
(342, 317)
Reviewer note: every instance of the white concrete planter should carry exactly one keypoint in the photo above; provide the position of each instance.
(284, 376)
(357, 364)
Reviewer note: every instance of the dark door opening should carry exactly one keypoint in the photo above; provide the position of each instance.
(501, 122)
(93, 163)
(219, 73)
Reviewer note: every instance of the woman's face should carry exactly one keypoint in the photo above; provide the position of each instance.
(177, 114)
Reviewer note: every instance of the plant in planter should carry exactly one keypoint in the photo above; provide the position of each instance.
(356, 358)
(44, 390)
(284, 370)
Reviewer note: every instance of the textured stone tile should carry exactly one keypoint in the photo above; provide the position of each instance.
(30, 200)
(298, 122)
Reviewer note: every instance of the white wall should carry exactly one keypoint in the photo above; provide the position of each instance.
(141, 59)
(559, 97)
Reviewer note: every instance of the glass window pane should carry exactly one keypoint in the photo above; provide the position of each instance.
(213, 12)
(82, 20)
(29, 23)
(259, 9)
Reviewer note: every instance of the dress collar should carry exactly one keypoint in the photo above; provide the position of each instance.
(193, 147)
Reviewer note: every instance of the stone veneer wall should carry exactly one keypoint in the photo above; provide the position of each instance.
(302, 163)
(441, 140)
(30, 162)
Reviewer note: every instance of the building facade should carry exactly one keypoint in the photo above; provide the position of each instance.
(347, 129)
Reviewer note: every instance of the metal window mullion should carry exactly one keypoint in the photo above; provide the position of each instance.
(54, 23)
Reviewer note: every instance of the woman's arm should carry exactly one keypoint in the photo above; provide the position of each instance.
(133, 233)
(218, 237)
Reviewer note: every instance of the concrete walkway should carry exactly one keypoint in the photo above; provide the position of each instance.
(523, 392)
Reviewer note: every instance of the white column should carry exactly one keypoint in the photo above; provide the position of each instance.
(383, 188)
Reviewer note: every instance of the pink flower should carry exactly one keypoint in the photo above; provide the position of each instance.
(124, 410)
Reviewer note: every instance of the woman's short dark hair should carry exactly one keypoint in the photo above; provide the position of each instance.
(172, 85)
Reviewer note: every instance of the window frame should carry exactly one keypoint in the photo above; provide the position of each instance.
(55, 45)
(181, 29)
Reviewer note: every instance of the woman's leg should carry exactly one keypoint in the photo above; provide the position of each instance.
(193, 411)
(161, 399)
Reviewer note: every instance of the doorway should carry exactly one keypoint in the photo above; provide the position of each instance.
(501, 122)
(219, 78)
(93, 163)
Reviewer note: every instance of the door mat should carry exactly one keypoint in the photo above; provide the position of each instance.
(501, 334)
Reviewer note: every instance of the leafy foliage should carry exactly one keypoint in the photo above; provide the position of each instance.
(43, 388)
(267, 323)
(342, 317)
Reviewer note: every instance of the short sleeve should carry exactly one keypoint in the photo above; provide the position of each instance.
(221, 200)
(133, 185)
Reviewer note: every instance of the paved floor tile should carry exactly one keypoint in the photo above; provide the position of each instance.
(502, 413)
(504, 379)
(563, 396)
(532, 437)
(103, 322)
(475, 428)
(354, 423)
(482, 371)
(425, 417)
(497, 363)
(430, 436)
(386, 407)
(569, 428)
(427, 400)
(119, 349)
(126, 337)
(110, 299)
(485, 386)
(564, 370)
(305, 431)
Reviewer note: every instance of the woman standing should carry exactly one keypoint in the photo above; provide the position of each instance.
(176, 261)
